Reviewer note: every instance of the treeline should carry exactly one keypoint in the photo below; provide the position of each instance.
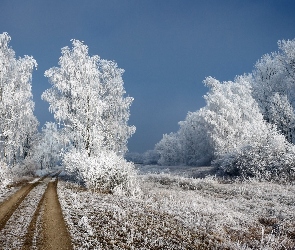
(247, 126)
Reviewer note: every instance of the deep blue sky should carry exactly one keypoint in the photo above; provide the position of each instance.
(166, 47)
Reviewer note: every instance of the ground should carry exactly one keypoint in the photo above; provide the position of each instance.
(173, 211)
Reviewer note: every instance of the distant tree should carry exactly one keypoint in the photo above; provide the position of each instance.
(48, 148)
(134, 157)
(151, 157)
(190, 145)
(170, 150)
(17, 121)
(195, 139)
(87, 99)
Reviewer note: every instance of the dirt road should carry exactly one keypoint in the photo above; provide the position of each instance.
(32, 218)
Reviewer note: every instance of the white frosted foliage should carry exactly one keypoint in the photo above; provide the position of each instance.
(87, 100)
(17, 121)
(273, 85)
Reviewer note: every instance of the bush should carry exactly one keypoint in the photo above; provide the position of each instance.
(106, 172)
(271, 159)
(5, 174)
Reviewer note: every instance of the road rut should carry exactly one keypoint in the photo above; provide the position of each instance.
(8, 206)
(47, 228)
(56, 235)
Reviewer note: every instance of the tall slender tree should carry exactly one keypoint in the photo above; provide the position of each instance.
(17, 121)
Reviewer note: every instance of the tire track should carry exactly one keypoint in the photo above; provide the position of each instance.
(48, 216)
(8, 207)
(12, 235)
(55, 232)
(37, 214)
(32, 228)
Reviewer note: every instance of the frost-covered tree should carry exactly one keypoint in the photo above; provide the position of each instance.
(17, 121)
(107, 172)
(281, 113)
(87, 99)
(190, 145)
(232, 115)
(196, 141)
(273, 85)
(231, 131)
(48, 147)
(243, 141)
(170, 150)
(216, 129)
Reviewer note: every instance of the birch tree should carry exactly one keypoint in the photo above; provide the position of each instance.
(17, 121)
(273, 85)
(48, 148)
(244, 143)
(87, 100)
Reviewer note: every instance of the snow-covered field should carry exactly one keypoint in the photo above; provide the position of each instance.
(176, 212)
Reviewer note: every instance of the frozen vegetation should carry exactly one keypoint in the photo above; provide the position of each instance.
(247, 125)
(175, 212)
(245, 133)
(91, 111)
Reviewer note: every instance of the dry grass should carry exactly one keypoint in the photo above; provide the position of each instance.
(181, 213)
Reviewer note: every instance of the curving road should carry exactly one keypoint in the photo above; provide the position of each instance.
(32, 218)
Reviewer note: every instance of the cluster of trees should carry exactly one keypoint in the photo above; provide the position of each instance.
(247, 126)
(150, 157)
(91, 114)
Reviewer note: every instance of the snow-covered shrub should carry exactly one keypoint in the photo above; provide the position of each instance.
(106, 172)
(272, 158)
(5, 174)
(20, 170)
(151, 157)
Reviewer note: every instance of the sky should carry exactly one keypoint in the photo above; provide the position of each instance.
(166, 47)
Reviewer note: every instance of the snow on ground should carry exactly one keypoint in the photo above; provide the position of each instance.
(12, 187)
(103, 221)
(184, 171)
(175, 212)
(5, 192)
(46, 171)
(12, 235)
